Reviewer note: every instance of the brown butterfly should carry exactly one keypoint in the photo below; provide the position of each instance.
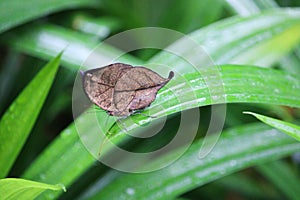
(121, 89)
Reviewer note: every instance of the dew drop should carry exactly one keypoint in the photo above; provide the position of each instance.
(233, 163)
(130, 191)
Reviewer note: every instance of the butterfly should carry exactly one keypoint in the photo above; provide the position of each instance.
(121, 89)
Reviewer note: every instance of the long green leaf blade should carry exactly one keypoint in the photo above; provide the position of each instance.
(44, 168)
(14, 188)
(18, 120)
(259, 144)
(14, 12)
(288, 128)
(242, 84)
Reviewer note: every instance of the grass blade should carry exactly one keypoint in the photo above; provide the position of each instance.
(260, 144)
(288, 128)
(14, 188)
(18, 120)
(242, 84)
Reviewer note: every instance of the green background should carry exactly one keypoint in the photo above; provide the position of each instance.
(255, 44)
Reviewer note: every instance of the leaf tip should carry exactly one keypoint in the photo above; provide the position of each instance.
(62, 186)
(249, 113)
(61, 53)
(258, 116)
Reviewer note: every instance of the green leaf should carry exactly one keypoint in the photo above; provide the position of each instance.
(18, 120)
(242, 84)
(22, 12)
(14, 188)
(288, 128)
(237, 148)
(45, 168)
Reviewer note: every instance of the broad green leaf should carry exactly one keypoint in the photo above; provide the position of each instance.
(14, 12)
(18, 120)
(285, 21)
(286, 127)
(19, 189)
(283, 177)
(237, 149)
(242, 84)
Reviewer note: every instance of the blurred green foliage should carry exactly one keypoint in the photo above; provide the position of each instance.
(250, 160)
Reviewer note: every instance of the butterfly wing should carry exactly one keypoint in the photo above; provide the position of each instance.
(139, 86)
(99, 84)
